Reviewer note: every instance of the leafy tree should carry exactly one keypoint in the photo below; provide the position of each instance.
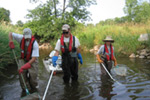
(120, 20)
(47, 19)
(78, 8)
(4, 15)
(129, 8)
(19, 23)
(142, 13)
(137, 10)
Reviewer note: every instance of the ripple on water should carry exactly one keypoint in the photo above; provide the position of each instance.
(136, 85)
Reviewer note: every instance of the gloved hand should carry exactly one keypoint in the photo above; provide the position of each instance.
(117, 66)
(24, 67)
(11, 45)
(98, 58)
(54, 59)
(115, 62)
(80, 58)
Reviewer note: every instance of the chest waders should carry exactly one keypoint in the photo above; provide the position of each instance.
(70, 63)
(30, 75)
(108, 64)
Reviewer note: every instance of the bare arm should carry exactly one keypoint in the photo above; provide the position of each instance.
(78, 50)
(56, 53)
(32, 60)
(10, 37)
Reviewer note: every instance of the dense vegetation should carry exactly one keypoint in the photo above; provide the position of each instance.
(48, 18)
(125, 35)
(6, 55)
(4, 15)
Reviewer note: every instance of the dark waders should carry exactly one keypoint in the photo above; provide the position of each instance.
(70, 63)
(108, 65)
(70, 68)
(30, 77)
(24, 84)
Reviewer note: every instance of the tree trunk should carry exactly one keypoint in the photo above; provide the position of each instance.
(63, 9)
(55, 8)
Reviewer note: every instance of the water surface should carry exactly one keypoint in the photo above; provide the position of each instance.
(91, 85)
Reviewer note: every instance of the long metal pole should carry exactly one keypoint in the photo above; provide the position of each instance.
(109, 74)
(48, 85)
(27, 91)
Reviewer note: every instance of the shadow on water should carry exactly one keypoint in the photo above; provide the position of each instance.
(91, 85)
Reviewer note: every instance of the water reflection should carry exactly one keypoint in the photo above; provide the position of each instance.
(91, 85)
(106, 87)
(71, 91)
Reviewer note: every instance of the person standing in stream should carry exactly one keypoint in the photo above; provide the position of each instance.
(29, 59)
(69, 46)
(106, 56)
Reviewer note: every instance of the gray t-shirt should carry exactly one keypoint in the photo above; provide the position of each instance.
(101, 50)
(18, 38)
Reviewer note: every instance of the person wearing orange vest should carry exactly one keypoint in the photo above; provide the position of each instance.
(69, 46)
(29, 59)
(106, 55)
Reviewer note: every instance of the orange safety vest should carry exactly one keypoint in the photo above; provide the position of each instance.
(29, 50)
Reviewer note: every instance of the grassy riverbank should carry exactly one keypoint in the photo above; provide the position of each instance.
(6, 56)
(125, 35)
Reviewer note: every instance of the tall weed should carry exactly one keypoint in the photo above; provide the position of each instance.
(6, 56)
(125, 35)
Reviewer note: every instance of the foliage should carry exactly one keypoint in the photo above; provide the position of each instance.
(125, 35)
(137, 10)
(4, 15)
(6, 56)
(142, 12)
(19, 23)
(78, 9)
(129, 8)
(47, 19)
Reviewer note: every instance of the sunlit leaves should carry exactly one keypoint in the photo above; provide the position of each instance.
(47, 19)
(137, 10)
(4, 15)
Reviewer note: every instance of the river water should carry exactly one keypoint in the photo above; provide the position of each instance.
(91, 85)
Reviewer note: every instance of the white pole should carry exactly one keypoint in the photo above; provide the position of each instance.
(109, 74)
(48, 85)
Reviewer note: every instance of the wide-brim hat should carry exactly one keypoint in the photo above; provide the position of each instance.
(108, 39)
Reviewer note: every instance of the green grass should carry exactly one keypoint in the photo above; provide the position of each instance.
(6, 56)
(125, 35)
